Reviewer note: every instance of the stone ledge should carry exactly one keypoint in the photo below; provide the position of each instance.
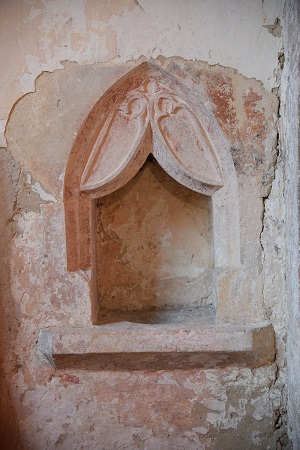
(128, 346)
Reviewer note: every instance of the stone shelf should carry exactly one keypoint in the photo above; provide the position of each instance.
(131, 346)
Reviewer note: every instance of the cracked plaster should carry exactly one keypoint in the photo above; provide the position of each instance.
(39, 35)
(213, 408)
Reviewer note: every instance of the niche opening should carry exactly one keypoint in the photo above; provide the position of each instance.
(150, 135)
(154, 260)
(191, 184)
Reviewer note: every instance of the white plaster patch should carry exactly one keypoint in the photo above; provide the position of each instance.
(255, 438)
(64, 30)
(36, 187)
(167, 380)
(209, 28)
(2, 129)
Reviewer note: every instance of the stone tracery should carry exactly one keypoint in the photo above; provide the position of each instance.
(152, 104)
(145, 112)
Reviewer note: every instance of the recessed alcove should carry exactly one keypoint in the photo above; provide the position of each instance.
(152, 208)
(154, 252)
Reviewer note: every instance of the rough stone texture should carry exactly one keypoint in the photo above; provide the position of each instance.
(213, 409)
(149, 111)
(149, 268)
(231, 407)
(128, 346)
(290, 155)
(253, 154)
(42, 407)
(9, 311)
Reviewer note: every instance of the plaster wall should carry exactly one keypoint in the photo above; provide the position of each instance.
(37, 35)
(217, 408)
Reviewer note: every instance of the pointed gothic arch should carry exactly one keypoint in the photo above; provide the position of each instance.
(149, 111)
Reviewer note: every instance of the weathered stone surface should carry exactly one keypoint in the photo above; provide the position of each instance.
(289, 252)
(49, 146)
(168, 346)
(150, 98)
(141, 237)
(10, 362)
(250, 224)
(55, 408)
(148, 111)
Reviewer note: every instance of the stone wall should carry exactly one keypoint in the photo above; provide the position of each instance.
(290, 150)
(227, 407)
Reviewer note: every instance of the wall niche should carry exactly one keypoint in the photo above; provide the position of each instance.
(154, 252)
(152, 208)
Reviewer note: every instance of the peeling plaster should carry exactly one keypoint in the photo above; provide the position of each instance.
(213, 408)
(275, 29)
(92, 32)
(36, 187)
(229, 408)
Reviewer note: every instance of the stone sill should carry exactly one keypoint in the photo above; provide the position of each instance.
(129, 346)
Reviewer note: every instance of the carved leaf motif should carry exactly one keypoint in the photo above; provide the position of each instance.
(182, 133)
(186, 138)
(116, 143)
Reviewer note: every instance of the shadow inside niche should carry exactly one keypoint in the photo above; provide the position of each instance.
(154, 361)
(154, 254)
(9, 312)
(194, 316)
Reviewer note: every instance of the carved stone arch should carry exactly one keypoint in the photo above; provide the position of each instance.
(149, 111)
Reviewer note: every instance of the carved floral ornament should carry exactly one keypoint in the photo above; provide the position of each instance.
(171, 119)
(146, 111)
